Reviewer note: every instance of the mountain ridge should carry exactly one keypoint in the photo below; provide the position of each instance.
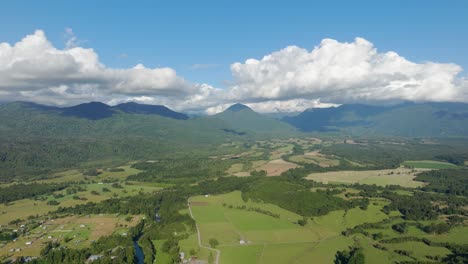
(98, 110)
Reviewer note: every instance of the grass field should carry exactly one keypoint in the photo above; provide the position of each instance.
(400, 176)
(275, 240)
(429, 164)
(237, 167)
(419, 250)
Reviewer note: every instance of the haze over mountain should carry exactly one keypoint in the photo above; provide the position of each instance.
(408, 119)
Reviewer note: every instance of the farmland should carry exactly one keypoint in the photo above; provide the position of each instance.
(267, 238)
(400, 176)
(318, 204)
(73, 231)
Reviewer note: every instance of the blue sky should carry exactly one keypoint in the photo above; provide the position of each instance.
(215, 34)
(180, 34)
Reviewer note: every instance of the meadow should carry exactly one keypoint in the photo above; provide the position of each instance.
(429, 164)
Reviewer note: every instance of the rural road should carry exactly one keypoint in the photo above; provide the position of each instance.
(218, 252)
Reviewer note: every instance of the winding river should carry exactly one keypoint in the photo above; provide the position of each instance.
(138, 251)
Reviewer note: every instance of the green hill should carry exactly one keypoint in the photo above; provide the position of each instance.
(243, 119)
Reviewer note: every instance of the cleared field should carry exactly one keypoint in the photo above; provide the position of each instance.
(276, 167)
(400, 176)
(237, 167)
(429, 164)
(315, 157)
(79, 231)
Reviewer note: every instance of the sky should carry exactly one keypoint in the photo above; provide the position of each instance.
(202, 56)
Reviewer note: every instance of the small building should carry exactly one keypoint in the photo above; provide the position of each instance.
(94, 257)
(28, 243)
(242, 242)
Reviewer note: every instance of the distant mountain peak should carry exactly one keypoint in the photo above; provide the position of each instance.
(91, 110)
(136, 108)
(238, 107)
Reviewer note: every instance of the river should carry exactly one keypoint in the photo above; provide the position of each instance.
(138, 251)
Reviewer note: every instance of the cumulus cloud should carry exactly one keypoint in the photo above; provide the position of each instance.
(344, 72)
(33, 69)
(289, 80)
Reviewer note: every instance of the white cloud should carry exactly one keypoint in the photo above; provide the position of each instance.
(276, 106)
(72, 40)
(289, 80)
(33, 69)
(344, 72)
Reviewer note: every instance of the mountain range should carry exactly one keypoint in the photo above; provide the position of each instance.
(95, 118)
(406, 120)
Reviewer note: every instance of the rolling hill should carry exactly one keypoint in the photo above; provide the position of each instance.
(243, 119)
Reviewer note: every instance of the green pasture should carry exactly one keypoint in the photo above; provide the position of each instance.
(275, 240)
